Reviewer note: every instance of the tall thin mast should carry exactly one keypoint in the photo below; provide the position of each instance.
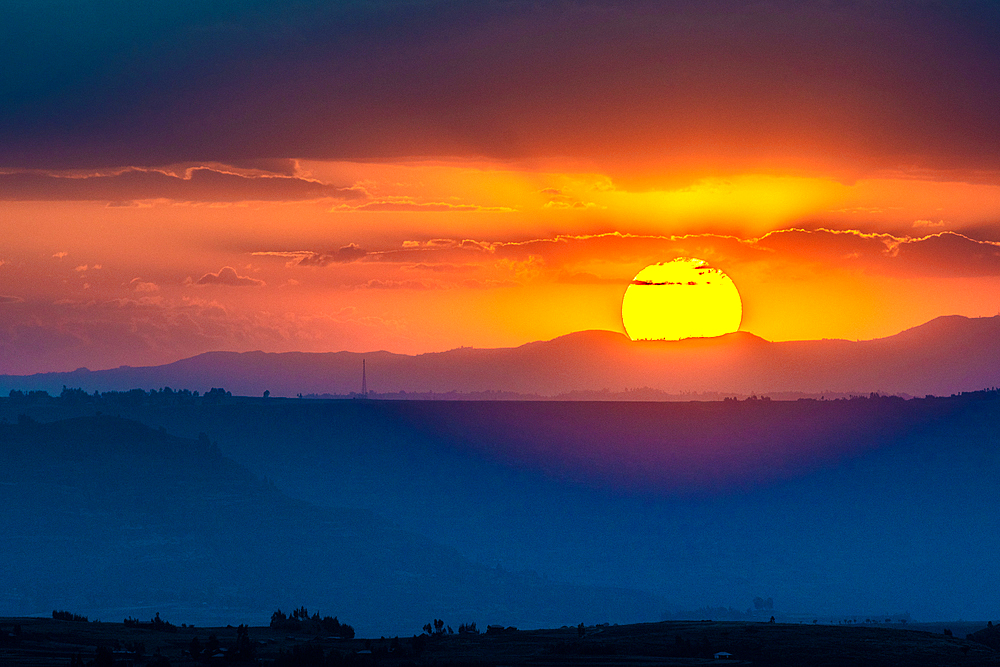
(364, 380)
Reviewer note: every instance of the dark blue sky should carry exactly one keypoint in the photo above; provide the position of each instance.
(858, 84)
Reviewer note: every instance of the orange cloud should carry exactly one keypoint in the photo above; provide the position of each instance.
(227, 276)
(414, 206)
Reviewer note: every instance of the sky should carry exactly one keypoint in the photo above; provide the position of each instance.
(419, 175)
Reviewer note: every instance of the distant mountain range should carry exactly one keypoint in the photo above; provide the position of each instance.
(944, 356)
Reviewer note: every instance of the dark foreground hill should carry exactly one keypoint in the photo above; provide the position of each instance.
(849, 509)
(944, 356)
(45, 643)
(111, 518)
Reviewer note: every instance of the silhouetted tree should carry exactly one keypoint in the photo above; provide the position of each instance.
(67, 616)
(300, 620)
(244, 650)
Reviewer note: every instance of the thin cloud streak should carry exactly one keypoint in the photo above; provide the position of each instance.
(196, 184)
(941, 254)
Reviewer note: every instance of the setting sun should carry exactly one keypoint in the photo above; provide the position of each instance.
(683, 298)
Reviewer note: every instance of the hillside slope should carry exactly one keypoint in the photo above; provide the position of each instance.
(108, 517)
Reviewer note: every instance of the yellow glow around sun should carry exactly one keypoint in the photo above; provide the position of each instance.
(683, 298)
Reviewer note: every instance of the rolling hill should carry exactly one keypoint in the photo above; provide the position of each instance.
(873, 506)
(112, 518)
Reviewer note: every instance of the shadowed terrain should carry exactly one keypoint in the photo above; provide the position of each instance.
(110, 518)
(835, 509)
(45, 642)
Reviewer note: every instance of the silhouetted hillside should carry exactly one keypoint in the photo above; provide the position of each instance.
(52, 643)
(870, 507)
(109, 517)
(988, 636)
(944, 356)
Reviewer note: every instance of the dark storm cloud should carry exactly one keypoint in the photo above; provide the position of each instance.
(862, 84)
(197, 184)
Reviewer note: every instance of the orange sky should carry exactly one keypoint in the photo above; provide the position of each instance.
(435, 255)
(240, 180)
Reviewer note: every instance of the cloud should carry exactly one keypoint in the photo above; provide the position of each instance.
(585, 278)
(60, 255)
(420, 207)
(614, 258)
(943, 253)
(228, 276)
(140, 286)
(343, 255)
(441, 268)
(561, 204)
(126, 187)
(143, 302)
(928, 223)
(10, 299)
(615, 81)
(401, 284)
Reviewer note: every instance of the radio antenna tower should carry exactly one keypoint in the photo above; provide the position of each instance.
(364, 380)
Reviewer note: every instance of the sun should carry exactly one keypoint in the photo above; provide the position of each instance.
(682, 298)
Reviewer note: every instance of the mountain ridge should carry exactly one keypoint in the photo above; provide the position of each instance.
(948, 354)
